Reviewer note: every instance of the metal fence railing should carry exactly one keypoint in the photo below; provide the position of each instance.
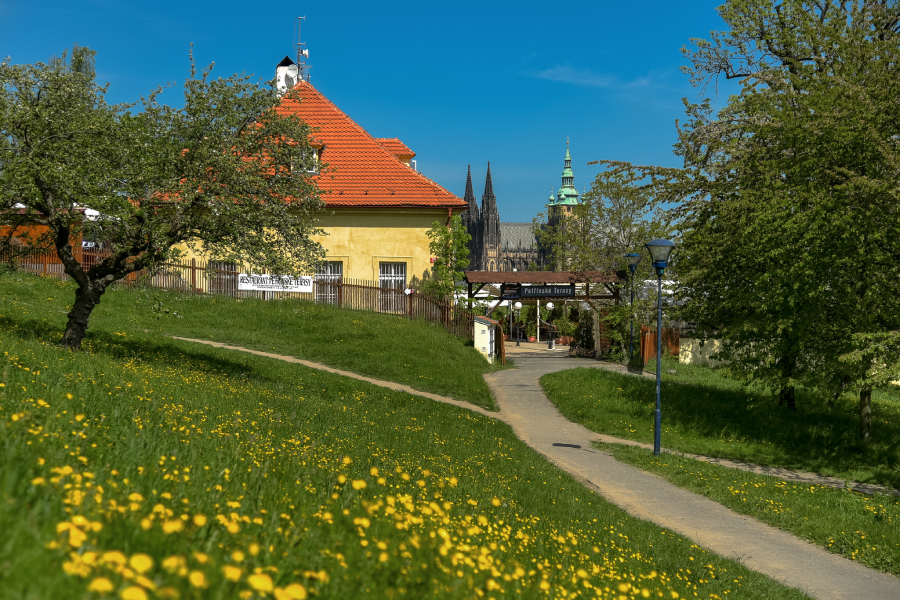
(200, 277)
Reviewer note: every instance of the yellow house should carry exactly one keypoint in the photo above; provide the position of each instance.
(379, 207)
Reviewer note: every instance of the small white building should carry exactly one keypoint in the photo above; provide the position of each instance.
(486, 342)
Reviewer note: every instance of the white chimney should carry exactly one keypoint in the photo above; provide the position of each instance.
(287, 75)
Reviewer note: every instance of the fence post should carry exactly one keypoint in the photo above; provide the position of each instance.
(193, 275)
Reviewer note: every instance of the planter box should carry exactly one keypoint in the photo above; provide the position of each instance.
(565, 340)
(532, 338)
(506, 337)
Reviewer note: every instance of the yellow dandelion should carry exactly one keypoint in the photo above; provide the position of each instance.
(231, 572)
(133, 593)
(359, 484)
(198, 579)
(261, 582)
(237, 556)
(114, 557)
(173, 526)
(141, 563)
(101, 585)
(295, 591)
(199, 520)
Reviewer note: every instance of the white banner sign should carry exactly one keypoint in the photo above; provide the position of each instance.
(253, 282)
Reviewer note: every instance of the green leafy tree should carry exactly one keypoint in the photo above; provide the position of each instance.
(789, 195)
(227, 173)
(450, 247)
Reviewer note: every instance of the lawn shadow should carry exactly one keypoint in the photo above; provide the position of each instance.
(151, 349)
(815, 437)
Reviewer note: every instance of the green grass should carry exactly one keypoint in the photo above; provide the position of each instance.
(388, 347)
(704, 412)
(862, 528)
(156, 468)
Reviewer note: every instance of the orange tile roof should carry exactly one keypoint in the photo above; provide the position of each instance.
(396, 147)
(361, 172)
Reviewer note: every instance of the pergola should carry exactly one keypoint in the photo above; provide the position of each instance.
(534, 286)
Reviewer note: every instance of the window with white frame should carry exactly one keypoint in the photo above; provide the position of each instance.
(392, 281)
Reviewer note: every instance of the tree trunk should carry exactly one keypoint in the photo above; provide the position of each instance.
(86, 298)
(787, 396)
(865, 413)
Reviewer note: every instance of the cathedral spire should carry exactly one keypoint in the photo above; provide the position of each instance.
(488, 199)
(488, 187)
(469, 197)
(567, 194)
(490, 224)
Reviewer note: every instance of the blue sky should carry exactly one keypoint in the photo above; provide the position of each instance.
(460, 83)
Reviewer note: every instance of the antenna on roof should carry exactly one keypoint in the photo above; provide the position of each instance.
(302, 53)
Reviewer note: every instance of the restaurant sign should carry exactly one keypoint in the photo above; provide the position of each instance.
(516, 290)
(254, 282)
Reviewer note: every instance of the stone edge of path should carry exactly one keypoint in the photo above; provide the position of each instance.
(397, 387)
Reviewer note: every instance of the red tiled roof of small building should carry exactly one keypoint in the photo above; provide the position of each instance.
(361, 171)
(396, 147)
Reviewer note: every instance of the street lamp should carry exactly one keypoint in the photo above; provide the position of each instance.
(633, 260)
(551, 341)
(518, 306)
(660, 250)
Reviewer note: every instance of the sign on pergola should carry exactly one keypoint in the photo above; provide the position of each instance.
(517, 291)
(548, 285)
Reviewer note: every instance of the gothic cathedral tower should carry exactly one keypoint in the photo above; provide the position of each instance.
(490, 226)
(471, 219)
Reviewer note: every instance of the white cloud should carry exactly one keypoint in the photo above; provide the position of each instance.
(586, 77)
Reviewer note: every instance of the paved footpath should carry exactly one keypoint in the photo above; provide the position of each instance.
(764, 549)
(539, 424)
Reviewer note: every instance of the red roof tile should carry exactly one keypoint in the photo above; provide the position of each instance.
(396, 147)
(361, 171)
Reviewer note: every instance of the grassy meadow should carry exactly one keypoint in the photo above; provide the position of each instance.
(144, 467)
(860, 527)
(705, 412)
(388, 347)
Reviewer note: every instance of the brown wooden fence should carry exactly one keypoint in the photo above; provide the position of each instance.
(199, 277)
(670, 341)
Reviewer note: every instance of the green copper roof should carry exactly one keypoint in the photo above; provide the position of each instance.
(567, 194)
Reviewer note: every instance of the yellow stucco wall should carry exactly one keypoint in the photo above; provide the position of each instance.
(361, 238)
(690, 352)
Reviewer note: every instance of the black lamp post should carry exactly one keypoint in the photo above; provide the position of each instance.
(518, 306)
(633, 260)
(660, 250)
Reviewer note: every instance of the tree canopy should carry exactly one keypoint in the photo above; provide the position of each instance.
(226, 174)
(788, 198)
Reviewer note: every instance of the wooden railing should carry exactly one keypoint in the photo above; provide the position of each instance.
(200, 277)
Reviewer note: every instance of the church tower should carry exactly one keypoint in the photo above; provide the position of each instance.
(567, 197)
(471, 219)
(490, 226)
